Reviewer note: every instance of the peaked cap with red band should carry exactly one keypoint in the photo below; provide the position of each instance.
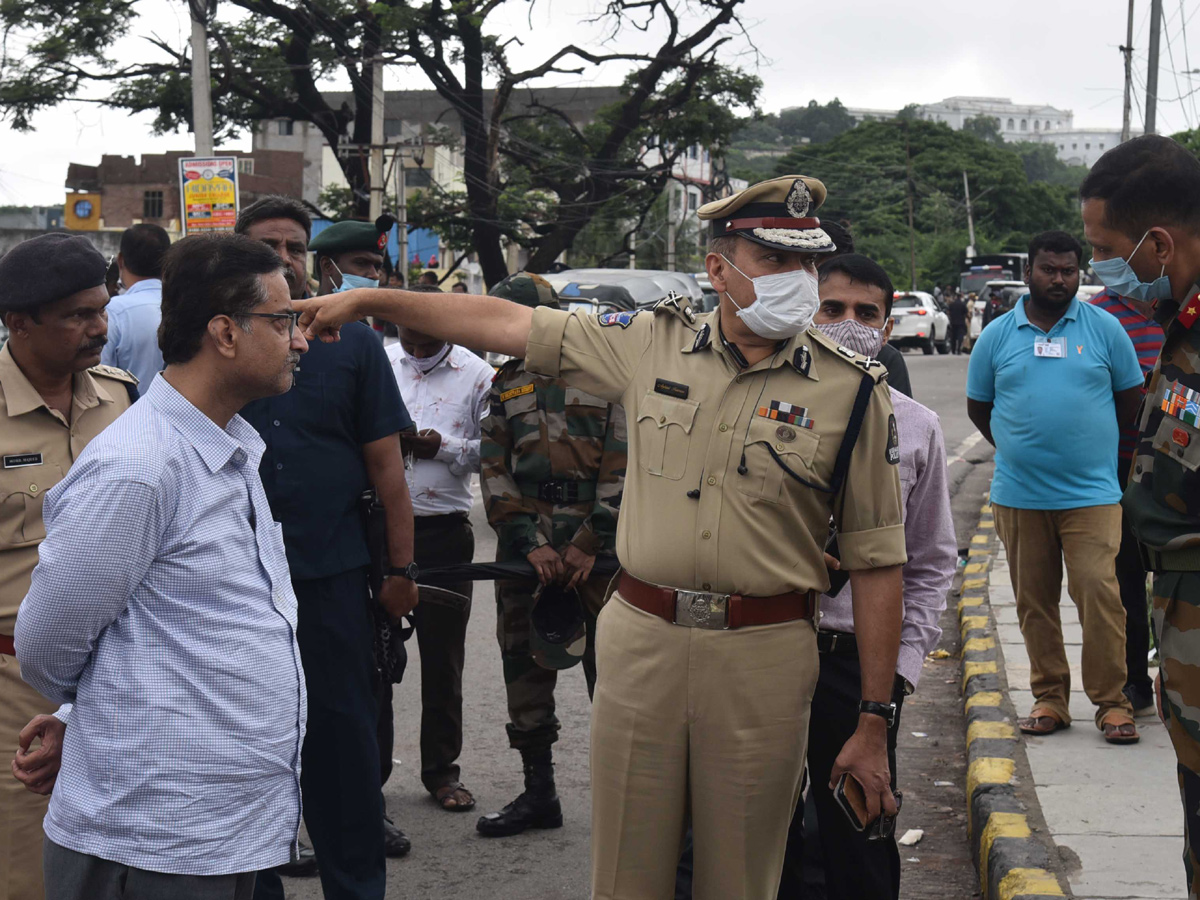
(775, 213)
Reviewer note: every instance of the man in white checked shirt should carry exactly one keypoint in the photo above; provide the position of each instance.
(445, 389)
(162, 607)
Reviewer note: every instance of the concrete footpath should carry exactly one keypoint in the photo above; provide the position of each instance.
(1111, 813)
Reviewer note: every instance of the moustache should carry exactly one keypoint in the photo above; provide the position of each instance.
(94, 345)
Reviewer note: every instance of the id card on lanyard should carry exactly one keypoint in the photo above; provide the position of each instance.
(1051, 348)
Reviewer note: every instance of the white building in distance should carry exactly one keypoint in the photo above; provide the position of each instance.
(1037, 123)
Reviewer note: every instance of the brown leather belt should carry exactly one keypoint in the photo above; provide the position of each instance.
(7, 646)
(705, 609)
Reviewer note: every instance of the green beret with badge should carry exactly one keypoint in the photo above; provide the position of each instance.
(526, 289)
(776, 213)
(353, 236)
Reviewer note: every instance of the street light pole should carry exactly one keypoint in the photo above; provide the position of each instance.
(377, 113)
(1152, 67)
(1127, 51)
(202, 116)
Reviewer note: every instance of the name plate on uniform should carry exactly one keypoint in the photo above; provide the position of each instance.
(21, 460)
(1051, 348)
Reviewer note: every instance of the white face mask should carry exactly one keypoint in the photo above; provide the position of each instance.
(426, 364)
(784, 306)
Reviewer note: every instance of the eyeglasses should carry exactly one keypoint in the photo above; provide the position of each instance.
(292, 317)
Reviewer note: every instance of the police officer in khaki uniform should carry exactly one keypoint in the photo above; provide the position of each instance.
(748, 433)
(54, 398)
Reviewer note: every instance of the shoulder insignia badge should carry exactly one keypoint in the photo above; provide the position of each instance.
(676, 304)
(846, 352)
(114, 372)
(702, 337)
(893, 441)
(867, 364)
(623, 319)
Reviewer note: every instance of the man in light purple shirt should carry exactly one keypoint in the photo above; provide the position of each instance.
(855, 310)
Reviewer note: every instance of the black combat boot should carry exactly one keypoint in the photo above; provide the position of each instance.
(537, 807)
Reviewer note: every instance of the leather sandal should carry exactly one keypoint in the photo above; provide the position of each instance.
(453, 797)
(1120, 731)
(1041, 722)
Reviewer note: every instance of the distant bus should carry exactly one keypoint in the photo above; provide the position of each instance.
(978, 270)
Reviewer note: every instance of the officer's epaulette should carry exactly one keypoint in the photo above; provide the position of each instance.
(676, 305)
(1189, 311)
(114, 372)
(872, 367)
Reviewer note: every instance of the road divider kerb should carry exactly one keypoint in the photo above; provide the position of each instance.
(1015, 862)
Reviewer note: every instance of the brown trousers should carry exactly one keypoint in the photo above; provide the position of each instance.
(708, 723)
(1037, 542)
(21, 812)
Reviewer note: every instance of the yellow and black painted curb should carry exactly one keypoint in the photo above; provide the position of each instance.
(1013, 863)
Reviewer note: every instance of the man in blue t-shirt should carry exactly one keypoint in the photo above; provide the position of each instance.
(1049, 384)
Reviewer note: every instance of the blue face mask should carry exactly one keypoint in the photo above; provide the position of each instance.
(350, 282)
(1117, 275)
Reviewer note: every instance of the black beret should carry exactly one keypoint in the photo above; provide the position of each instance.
(46, 268)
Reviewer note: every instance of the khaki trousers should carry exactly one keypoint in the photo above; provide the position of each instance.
(711, 723)
(21, 812)
(1037, 542)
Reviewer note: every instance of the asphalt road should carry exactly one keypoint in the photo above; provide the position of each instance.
(449, 860)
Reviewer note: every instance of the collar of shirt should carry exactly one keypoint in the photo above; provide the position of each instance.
(796, 351)
(216, 445)
(139, 287)
(449, 360)
(21, 397)
(1021, 319)
(1114, 297)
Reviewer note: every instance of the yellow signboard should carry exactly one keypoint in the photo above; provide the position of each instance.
(81, 212)
(208, 191)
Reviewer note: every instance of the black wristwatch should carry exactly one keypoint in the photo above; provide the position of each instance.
(885, 710)
(410, 571)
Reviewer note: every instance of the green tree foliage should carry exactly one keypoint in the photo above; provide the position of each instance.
(815, 123)
(1189, 139)
(1042, 164)
(532, 173)
(985, 128)
(866, 174)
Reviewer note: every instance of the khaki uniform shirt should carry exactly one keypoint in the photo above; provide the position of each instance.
(38, 446)
(693, 413)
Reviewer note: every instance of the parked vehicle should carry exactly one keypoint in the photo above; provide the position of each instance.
(920, 322)
(646, 286)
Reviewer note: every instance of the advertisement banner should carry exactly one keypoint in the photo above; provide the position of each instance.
(208, 194)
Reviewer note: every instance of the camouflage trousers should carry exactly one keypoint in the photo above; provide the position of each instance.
(1177, 624)
(532, 724)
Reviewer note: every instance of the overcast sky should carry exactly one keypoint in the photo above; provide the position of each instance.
(869, 53)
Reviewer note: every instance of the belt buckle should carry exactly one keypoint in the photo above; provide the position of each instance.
(702, 609)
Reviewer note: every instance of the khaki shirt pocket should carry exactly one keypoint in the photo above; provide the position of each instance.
(1176, 479)
(664, 434)
(21, 494)
(765, 476)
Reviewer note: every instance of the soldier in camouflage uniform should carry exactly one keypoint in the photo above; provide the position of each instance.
(1141, 217)
(553, 467)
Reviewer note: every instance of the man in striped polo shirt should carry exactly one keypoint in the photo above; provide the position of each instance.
(1136, 317)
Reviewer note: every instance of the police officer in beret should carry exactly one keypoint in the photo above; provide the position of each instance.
(330, 438)
(54, 398)
(350, 254)
(749, 432)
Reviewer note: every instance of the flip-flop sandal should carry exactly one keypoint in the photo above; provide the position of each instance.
(445, 796)
(1120, 732)
(1041, 725)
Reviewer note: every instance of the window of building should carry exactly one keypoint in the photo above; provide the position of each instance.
(1062, 146)
(246, 165)
(1058, 124)
(1037, 126)
(152, 204)
(1010, 125)
(1046, 127)
(286, 126)
(1074, 146)
(1024, 124)
(1087, 146)
(694, 152)
(693, 202)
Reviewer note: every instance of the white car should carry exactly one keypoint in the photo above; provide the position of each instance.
(920, 322)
